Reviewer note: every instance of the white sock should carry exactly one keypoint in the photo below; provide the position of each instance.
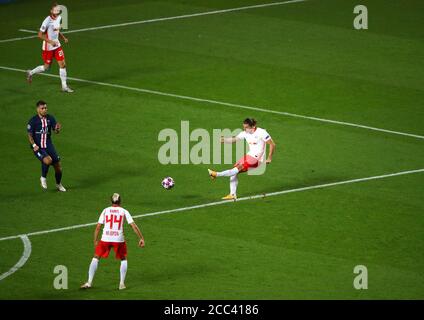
(124, 267)
(62, 73)
(233, 184)
(38, 69)
(228, 173)
(92, 270)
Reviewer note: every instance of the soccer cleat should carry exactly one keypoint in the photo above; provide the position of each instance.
(212, 174)
(43, 182)
(86, 286)
(230, 197)
(29, 76)
(67, 89)
(122, 286)
(60, 188)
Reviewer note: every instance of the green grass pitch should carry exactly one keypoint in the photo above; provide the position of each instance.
(304, 58)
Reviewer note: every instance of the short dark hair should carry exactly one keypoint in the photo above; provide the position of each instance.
(250, 122)
(40, 103)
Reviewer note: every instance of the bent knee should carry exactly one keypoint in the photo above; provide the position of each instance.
(47, 160)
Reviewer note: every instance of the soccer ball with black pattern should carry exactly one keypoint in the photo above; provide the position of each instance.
(168, 183)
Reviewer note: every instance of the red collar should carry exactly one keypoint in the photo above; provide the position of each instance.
(51, 16)
(115, 205)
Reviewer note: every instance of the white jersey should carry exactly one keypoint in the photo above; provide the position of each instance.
(113, 219)
(257, 142)
(51, 27)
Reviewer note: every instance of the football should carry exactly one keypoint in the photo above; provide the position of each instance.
(168, 183)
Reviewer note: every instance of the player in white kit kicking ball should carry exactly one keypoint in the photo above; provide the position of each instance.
(50, 33)
(257, 138)
(113, 237)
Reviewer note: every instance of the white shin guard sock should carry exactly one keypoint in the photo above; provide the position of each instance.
(92, 270)
(233, 185)
(123, 270)
(228, 173)
(62, 74)
(38, 69)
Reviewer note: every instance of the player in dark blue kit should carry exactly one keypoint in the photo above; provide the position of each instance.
(39, 134)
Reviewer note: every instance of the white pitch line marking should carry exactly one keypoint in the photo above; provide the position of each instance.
(17, 39)
(210, 204)
(25, 256)
(29, 31)
(227, 104)
(185, 16)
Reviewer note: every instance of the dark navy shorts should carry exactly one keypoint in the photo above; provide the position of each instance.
(41, 153)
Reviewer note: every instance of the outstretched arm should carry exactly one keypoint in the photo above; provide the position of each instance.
(228, 139)
(271, 150)
(138, 233)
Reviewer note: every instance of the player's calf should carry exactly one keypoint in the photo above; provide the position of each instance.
(123, 273)
(36, 70)
(58, 177)
(63, 76)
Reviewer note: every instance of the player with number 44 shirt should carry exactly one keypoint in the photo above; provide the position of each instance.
(112, 219)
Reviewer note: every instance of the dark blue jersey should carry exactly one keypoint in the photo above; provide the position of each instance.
(41, 129)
